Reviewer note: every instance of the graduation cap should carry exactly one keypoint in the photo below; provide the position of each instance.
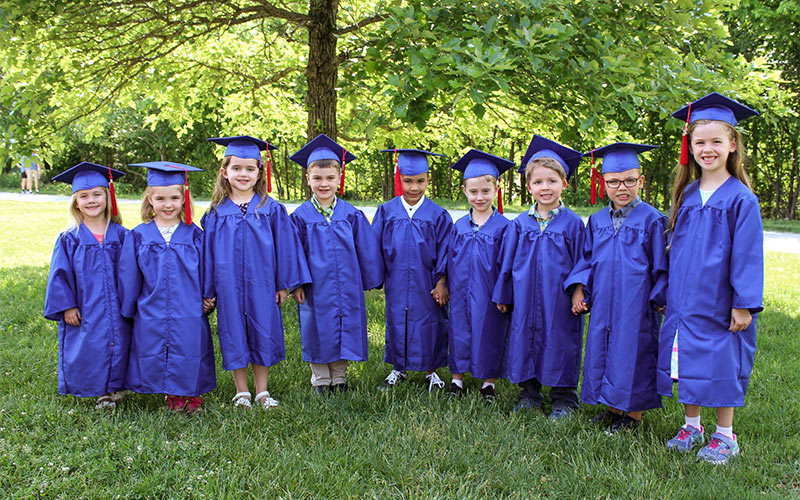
(617, 157)
(478, 163)
(545, 148)
(408, 162)
(165, 173)
(713, 106)
(323, 147)
(86, 175)
(244, 146)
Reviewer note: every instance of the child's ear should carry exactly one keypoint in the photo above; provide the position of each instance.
(733, 147)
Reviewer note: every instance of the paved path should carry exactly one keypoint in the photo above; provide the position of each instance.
(774, 241)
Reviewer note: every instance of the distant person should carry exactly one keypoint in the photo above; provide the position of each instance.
(344, 259)
(33, 171)
(93, 337)
(22, 176)
(716, 277)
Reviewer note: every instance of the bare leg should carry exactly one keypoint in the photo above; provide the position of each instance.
(240, 379)
(692, 410)
(636, 415)
(458, 376)
(725, 417)
(614, 410)
(260, 375)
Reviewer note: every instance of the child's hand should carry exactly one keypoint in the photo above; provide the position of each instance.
(72, 316)
(740, 320)
(208, 304)
(503, 308)
(299, 295)
(440, 293)
(579, 305)
(661, 309)
(280, 296)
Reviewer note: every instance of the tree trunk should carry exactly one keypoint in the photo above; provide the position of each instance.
(322, 69)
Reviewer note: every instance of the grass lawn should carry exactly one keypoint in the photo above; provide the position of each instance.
(365, 443)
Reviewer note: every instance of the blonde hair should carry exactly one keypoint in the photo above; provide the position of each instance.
(325, 163)
(487, 177)
(222, 189)
(77, 216)
(547, 162)
(148, 214)
(686, 174)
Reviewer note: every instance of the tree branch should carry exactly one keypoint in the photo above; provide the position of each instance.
(364, 22)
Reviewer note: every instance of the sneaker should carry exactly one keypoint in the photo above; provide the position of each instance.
(455, 390)
(719, 449)
(391, 380)
(175, 403)
(488, 394)
(37, 191)
(339, 387)
(320, 390)
(525, 404)
(434, 382)
(687, 438)
(192, 404)
(559, 413)
(622, 423)
(607, 417)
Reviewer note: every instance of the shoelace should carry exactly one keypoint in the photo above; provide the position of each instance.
(683, 434)
(434, 380)
(393, 376)
(714, 443)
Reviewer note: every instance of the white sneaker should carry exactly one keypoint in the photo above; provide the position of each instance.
(392, 378)
(434, 381)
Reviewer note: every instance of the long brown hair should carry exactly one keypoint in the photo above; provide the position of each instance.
(77, 216)
(222, 189)
(148, 214)
(686, 174)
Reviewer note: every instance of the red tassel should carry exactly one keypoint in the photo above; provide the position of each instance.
(114, 210)
(269, 171)
(187, 200)
(341, 184)
(500, 200)
(594, 181)
(685, 138)
(602, 186)
(398, 184)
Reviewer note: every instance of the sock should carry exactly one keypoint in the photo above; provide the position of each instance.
(694, 422)
(726, 431)
(487, 384)
(459, 382)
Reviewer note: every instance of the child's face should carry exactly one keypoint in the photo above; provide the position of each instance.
(323, 181)
(167, 202)
(91, 202)
(620, 193)
(545, 185)
(710, 146)
(414, 187)
(242, 173)
(480, 192)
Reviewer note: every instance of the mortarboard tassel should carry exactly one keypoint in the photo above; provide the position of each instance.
(500, 200)
(187, 200)
(269, 171)
(114, 210)
(398, 184)
(594, 181)
(341, 184)
(685, 138)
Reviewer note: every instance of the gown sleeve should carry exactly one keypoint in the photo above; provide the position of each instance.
(582, 270)
(444, 235)
(503, 289)
(368, 250)
(129, 277)
(659, 262)
(207, 274)
(61, 293)
(291, 268)
(747, 256)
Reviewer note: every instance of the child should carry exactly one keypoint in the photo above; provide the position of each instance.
(414, 235)
(623, 270)
(477, 331)
(716, 277)
(93, 337)
(159, 287)
(250, 263)
(344, 258)
(539, 249)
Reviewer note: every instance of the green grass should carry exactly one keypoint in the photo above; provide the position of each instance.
(365, 443)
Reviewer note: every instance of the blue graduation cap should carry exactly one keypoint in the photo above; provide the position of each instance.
(714, 106)
(321, 147)
(620, 156)
(243, 146)
(412, 161)
(166, 173)
(477, 163)
(545, 148)
(86, 175)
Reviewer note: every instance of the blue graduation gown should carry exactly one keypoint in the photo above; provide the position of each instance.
(626, 275)
(716, 263)
(544, 339)
(246, 260)
(415, 258)
(477, 330)
(92, 357)
(344, 259)
(159, 286)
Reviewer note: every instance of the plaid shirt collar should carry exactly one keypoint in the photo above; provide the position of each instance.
(474, 225)
(326, 212)
(550, 213)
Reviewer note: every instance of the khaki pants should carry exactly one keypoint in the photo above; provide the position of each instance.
(329, 373)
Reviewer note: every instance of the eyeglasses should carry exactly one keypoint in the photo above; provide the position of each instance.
(614, 183)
